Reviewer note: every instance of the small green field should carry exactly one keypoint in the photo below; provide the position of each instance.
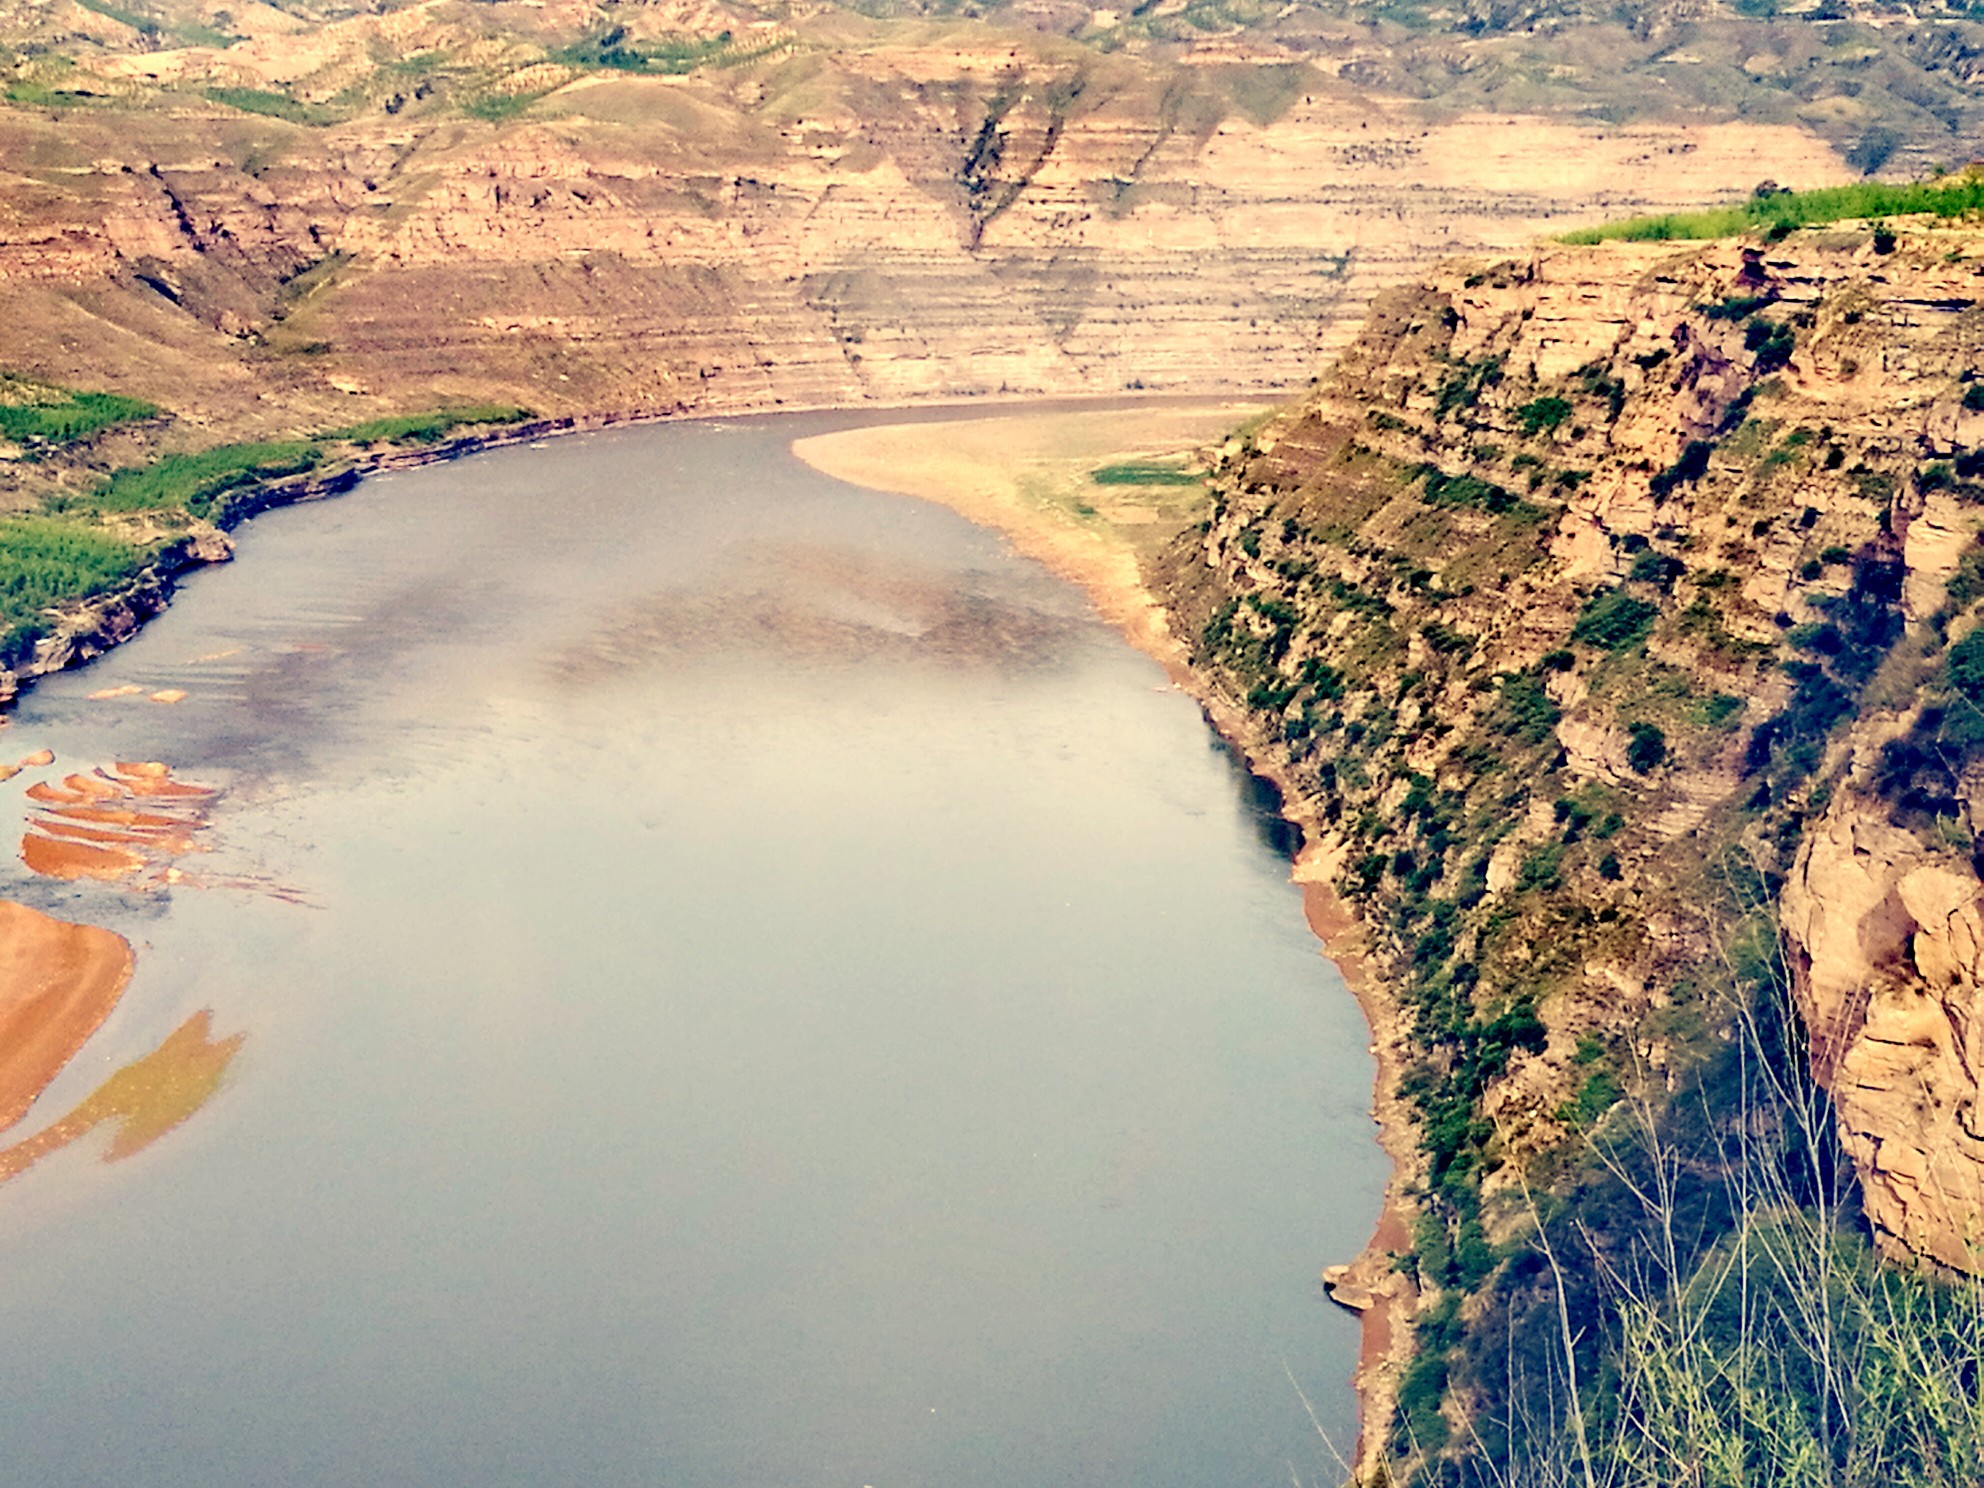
(47, 561)
(1781, 212)
(1142, 473)
(40, 413)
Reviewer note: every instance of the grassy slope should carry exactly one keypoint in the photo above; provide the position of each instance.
(82, 545)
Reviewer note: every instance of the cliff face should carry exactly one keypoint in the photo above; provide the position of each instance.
(1553, 612)
(854, 213)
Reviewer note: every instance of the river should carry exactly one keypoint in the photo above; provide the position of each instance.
(711, 977)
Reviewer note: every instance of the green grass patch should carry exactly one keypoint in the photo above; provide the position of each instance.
(193, 481)
(494, 108)
(272, 105)
(1142, 473)
(41, 413)
(1954, 196)
(1543, 415)
(428, 428)
(47, 561)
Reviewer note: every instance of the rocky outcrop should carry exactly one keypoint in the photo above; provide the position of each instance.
(1583, 602)
(1888, 935)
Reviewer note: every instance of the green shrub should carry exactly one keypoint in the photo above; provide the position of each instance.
(1524, 711)
(1469, 490)
(1541, 868)
(1691, 467)
(1542, 414)
(1598, 1094)
(1614, 620)
(1646, 747)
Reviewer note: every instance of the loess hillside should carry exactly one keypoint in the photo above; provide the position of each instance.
(272, 220)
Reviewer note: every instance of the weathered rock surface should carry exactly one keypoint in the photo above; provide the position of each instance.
(1580, 603)
(1889, 935)
(935, 216)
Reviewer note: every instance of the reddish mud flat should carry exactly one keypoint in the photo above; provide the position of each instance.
(58, 982)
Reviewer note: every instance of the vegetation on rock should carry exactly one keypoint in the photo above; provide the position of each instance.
(1772, 214)
(1567, 751)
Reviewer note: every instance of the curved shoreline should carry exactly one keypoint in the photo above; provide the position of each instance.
(1110, 576)
(89, 627)
(1112, 579)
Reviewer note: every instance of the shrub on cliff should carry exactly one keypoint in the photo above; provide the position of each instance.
(1614, 620)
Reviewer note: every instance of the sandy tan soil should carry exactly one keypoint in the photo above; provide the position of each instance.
(58, 982)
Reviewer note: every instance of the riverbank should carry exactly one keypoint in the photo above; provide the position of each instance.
(1048, 484)
(88, 623)
(1088, 491)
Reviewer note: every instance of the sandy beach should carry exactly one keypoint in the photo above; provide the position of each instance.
(1032, 478)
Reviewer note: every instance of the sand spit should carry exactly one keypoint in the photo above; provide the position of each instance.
(58, 982)
(1032, 478)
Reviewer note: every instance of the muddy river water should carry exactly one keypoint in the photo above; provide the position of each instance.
(689, 974)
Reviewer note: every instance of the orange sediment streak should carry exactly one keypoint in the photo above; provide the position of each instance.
(167, 789)
(55, 859)
(41, 790)
(111, 816)
(58, 982)
(119, 843)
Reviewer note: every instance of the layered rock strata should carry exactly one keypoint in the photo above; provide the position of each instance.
(901, 222)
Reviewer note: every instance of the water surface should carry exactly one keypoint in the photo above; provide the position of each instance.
(739, 980)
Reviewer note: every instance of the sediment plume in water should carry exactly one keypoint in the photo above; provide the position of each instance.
(145, 1099)
(58, 982)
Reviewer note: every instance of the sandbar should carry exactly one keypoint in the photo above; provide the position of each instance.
(1030, 477)
(58, 982)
